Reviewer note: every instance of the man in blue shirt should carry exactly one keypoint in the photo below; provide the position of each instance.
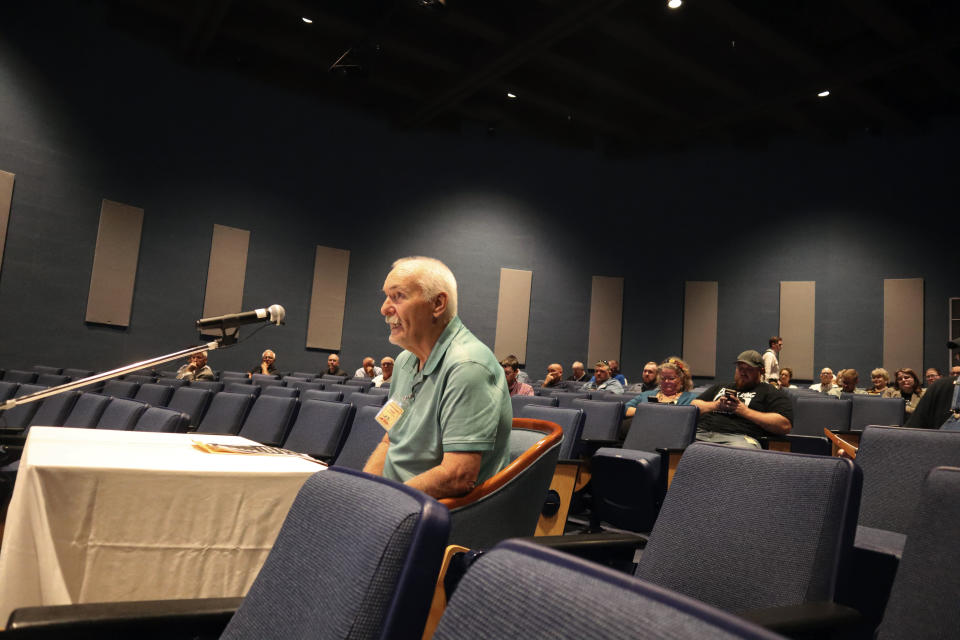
(449, 415)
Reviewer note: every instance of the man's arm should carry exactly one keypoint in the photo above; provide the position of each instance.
(378, 457)
(768, 421)
(454, 476)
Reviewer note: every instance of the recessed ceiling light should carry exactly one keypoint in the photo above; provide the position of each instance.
(307, 20)
(675, 4)
(511, 95)
(823, 94)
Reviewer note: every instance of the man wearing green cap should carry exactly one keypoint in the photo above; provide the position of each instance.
(740, 413)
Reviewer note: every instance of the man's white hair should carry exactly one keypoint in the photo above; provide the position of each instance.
(433, 277)
(270, 351)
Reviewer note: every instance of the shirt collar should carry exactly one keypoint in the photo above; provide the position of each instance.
(439, 349)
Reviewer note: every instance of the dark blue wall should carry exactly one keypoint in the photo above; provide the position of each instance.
(86, 114)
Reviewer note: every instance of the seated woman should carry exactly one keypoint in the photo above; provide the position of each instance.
(880, 378)
(786, 376)
(908, 388)
(674, 385)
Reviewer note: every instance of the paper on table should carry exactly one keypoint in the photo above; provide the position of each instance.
(250, 449)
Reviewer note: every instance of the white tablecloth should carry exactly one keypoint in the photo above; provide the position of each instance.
(101, 515)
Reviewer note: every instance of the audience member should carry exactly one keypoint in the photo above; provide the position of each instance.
(266, 366)
(649, 376)
(448, 424)
(826, 381)
(932, 375)
(602, 380)
(739, 416)
(880, 378)
(615, 372)
(554, 377)
(333, 366)
(511, 366)
(786, 377)
(955, 371)
(908, 388)
(579, 374)
(196, 368)
(386, 364)
(368, 370)
(674, 385)
(771, 365)
(848, 383)
(936, 405)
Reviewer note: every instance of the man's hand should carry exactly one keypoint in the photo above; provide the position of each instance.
(264, 368)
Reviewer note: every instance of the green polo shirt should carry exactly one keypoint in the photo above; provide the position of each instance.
(458, 401)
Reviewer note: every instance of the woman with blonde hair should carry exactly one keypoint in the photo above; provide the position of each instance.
(880, 378)
(673, 386)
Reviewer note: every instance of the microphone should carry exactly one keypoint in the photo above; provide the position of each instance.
(274, 313)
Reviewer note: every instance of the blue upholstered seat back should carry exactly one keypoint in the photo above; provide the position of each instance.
(320, 428)
(661, 426)
(570, 420)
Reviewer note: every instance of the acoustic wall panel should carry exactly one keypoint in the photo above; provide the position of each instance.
(6, 197)
(903, 324)
(513, 314)
(700, 300)
(606, 319)
(115, 257)
(328, 298)
(226, 272)
(797, 321)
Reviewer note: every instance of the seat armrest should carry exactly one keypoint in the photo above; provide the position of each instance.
(586, 448)
(616, 550)
(147, 618)
(803, 618)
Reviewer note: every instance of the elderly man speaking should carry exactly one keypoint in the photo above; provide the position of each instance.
(449, 416)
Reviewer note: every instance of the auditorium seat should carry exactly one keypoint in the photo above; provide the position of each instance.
(358, 398)
(321, 428)
(191, 401)
(42, 368)
(570, 420)
(326, 377)
(226, 413)
(814, 414)
(162, 420)
(225, 376)
(867, 409)
(120, 388)
(19, 417)
(382, 391)
(628, 484)
(303, 385)
(269, 419)
(139, 378)
(7, 389)
(266, 380)
(364, 436)
(54, 410)
(344, 389)
(602, 420)
(283, 392)
(522, 590)
(77, 374)
(363, 383)
(121, 414)
(172, 382)
(313, 394)
(303, 374)
(87, 410)
(19, 375)
(156, 395)
(565, 398)
(238, 387)
(51, 379)
(212, 385)
(519, 402)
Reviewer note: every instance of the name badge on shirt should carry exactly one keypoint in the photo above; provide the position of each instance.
(389, 414)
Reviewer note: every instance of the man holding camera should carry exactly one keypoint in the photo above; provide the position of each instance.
(739, 414)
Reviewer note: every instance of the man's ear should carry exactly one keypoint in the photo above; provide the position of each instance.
(440, 305)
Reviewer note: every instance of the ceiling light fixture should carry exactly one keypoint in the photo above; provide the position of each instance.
(511, 95)
(307, 20)
(823, 94)
(675, 4)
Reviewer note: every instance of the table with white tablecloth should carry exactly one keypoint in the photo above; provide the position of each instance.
(102, 515)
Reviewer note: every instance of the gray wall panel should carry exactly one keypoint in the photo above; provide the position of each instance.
(6, 197)
(903, 324)
(328, 299)
(226, 271)
(114, 273)
(700, 327)
(606, 320)
(797, 326)
(513, 314)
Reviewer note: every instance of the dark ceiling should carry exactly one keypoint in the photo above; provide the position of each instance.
(621, 76)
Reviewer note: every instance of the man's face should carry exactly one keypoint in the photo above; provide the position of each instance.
(955, 371)
(368, 365)
(603, 374)
(649, 373)
(777, 346)
(408, 313)
(510, 373)
(577, 370)
(387, 365)
(555, 371)
(333, 361)
(826, 377)
(614, 367)
(931, 375)
(269, 357)
(198, 360)
(747, 377)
